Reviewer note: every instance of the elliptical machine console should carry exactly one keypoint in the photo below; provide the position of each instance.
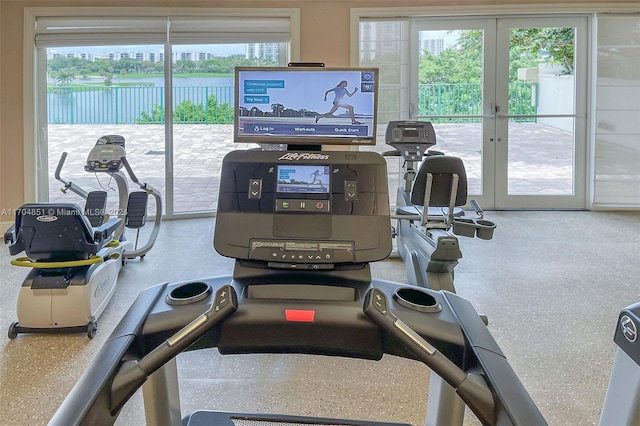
(106, 155)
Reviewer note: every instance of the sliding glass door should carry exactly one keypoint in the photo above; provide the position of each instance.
(170, 95)
(93, 91)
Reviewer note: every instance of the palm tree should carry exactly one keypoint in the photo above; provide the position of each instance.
(65, 76)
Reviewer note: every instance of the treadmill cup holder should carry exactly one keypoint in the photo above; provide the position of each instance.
(484, 229)
(188, 293)
(417, 300)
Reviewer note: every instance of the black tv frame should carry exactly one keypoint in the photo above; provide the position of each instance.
(300, 141)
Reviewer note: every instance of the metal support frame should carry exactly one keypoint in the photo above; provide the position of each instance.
(444, 406)
(622, 402)
(161, 397)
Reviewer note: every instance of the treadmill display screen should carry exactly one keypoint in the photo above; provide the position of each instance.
(303, 179)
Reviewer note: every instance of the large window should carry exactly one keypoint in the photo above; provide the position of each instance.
(164, 83)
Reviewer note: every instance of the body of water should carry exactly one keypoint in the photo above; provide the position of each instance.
(126, 104)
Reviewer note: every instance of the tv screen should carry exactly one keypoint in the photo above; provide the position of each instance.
(311, 106)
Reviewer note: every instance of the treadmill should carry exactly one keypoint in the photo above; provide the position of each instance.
(302, 284)
(622, 401)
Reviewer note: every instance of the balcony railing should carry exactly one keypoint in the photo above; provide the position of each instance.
(213, 104)
(466, 99)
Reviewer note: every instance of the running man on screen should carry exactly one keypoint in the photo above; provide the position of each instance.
(338, 101)
(316, 178)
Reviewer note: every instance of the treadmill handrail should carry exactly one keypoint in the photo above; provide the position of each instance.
(123, 364)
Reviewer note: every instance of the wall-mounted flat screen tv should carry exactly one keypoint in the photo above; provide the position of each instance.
(310, 106)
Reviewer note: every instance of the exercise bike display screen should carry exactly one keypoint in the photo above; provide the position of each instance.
(303, 179)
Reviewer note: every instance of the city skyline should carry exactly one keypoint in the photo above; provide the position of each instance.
(155, 53)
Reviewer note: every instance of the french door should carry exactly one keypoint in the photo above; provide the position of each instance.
(508, 96)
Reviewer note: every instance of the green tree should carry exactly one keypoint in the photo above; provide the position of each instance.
(184, 66)
(189, 112)
(64, 76)
(553, 45)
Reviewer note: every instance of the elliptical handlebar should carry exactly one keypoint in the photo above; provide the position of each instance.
(150, 190)
(63, 158)
(132, 175)
(68, 184)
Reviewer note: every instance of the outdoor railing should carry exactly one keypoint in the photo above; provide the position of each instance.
(213, 104)
(466, 99)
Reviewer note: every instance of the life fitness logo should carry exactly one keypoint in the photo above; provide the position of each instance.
(629, 329)
(299, 156)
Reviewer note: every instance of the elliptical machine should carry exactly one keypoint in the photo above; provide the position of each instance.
(109, 156)
(76, 254)
(428, 211)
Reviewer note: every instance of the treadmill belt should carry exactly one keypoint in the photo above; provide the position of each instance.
(211, 418)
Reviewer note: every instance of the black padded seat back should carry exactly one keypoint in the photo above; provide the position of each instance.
(442, 167)
(54, 232)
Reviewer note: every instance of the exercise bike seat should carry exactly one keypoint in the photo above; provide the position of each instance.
(442, 169)
(49, 232)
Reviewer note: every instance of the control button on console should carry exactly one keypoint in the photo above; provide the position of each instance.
(350, 190)
(255, 188)
(221, 299)
(379, 301)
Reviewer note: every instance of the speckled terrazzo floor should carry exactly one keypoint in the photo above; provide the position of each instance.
(551, 283)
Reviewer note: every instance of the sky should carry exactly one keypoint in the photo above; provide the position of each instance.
(218, 49)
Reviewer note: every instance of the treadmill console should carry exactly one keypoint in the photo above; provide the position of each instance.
(303, 210)
(106, 155)
(411, 138)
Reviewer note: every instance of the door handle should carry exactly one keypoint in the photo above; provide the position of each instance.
(494, 109)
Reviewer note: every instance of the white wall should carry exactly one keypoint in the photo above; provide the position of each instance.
(556, 96)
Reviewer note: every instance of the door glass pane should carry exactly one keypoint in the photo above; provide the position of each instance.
(541, 142)
(97, 91)
(450, 89)
(203, 90)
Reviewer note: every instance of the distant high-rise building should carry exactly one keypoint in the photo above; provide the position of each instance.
(264, 51)
(431, 45)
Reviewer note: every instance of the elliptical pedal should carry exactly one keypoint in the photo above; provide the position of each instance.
(95, 207)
